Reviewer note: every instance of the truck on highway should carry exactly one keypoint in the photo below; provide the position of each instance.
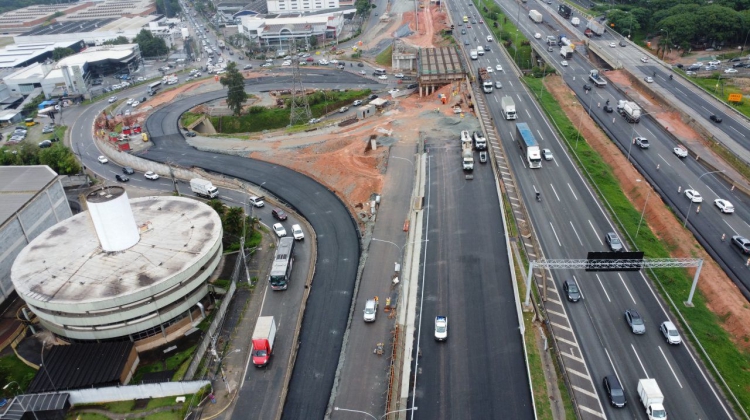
(564, 11)
(535, 16)
(185, 33)
(480, 50)
(566, 51)
(473, 54)
(652, 399)
(597, 78)
(221, 45)
(575, 21)
(484, 79)
(529, 146)
(596, 27)
(551, 40)
(480, 141)
(264, 336)
(467, 154)
(508, 108)
(203, 188)
(630, 110)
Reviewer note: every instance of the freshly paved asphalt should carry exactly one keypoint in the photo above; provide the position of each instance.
(337, 234)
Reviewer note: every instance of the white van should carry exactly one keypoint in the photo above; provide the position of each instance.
(480, 50)
(379, 72)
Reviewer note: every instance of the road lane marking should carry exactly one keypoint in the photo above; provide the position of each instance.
(596, 233)
(639, 361)
(571, 189)
(670, 366)
(554, 191)
(626, 287)
(730, 227)
(576, 232)
(662, 158)
(555, 233)
(603, 288)
(540, 135)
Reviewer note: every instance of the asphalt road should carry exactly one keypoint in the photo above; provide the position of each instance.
(570, 222)
(480, 371)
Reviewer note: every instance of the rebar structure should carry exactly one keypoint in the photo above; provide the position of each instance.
(300, 108)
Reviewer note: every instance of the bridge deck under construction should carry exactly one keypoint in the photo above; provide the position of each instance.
(439, 66)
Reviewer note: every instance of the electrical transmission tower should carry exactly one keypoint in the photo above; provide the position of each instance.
(300, 109)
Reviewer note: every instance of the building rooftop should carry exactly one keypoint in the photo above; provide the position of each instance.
(114, 9)
(33, 15)
(69, 27)
(66, 264)
(17, 55)
(18, 184)
(99, 53)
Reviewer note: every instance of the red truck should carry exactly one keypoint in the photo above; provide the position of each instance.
(263, 339)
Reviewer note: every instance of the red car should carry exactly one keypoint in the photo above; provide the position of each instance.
(481, 21)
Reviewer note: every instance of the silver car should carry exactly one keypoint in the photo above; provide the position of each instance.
(635, 322)
(670, 333)
(371, 310)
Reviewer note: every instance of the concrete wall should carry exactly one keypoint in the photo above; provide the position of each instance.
(133, 392)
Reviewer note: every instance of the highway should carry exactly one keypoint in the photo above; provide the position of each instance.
(570, 222)
(480, 371)
(337, 235)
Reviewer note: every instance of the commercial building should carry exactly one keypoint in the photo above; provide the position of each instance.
(21, 20)
(32, 200)
(281, 32)
(125, 270)
(296, 6)
(22, 55)
(91, 31)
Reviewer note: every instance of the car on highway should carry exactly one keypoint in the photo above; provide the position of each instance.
(279, 230)
(256, 201)
(102, 159)
(266, 65)
(112, 99)
(498, 84)
(499, 67)
(614, 391)
(730, 71)
(693, 196)
(343, 109)
(571, 290)
(383, 77)
(128, 170)
(714, 63)
(715, 118)
(680, 151)
(724, 205)
(649, 79)
(441, 328)
(278, 214)
(483, 157)
(608, 109)
(129, 101)
(135, 104)
(122, 178)
(490, 70)
(635, 322)
(564, 63)
(586, 87)
(247, 67)
(371, 310)
(642, 142)
(399, 75)
(670, 333)
(613, 241)
(622, 43)
(538, 35)
(644, 59)
(151, 175)
(463, 31)
(489, 38)
(297, 233)
(357, 103)
(742, 243)
(612, 45)
(547, 154)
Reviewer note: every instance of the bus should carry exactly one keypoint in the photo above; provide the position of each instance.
(529, 146)
(153, 88)
(283, 260)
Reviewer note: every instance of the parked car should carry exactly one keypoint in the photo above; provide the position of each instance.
(371, 310)
(45, 144)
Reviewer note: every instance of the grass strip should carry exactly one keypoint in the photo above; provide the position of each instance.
(731, 363)
(385, 58)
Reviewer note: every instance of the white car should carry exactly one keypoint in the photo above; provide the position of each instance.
(644, 59)
(140, 79)
(102, 159)
(297, 233)
(357, 103)
(681, 152)
(564, 63)
(126, 113)
(151, 175)
(489, 38)
(112, 98)
(394, 91)
(383, 77)
(499, 67)
(343, 109)
(649, 79)
(693, 196)
(129, 101)
(135, 103)
(612, 45)
(399, 75)
(363, 73)
(441, 328)
(730, 71)
(286, 63)
(538, 35)
(714, 63)
(724, 205)
(547, 154)
(334, 61)
(670, 333)
(278, 228)
(490, 70)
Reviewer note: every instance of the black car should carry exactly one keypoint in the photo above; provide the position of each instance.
(122, 178)
(486, 48)
(608, 109)
(190, 134)
(739, 65)
(735, 59)
(571, 290)
(128, 171)
(679, 65)
(614, 391)
(278, 214)
(412, 86)
(587, 87)
(360, 64)
(715, 118)
(45, 144)
(373, 96)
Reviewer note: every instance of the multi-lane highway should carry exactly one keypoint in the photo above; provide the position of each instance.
(570, 222)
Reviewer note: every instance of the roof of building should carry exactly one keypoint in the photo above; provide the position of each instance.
(17, 55)
(69, 27)
(27, 15)
(36, 70)
(114, 9)
(99, 53)
(19, 184)
(36, 403)
(86, 365)
(66, 263)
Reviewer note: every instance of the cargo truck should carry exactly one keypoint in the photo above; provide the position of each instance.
(566, 51)
(596, 27)
(597, 78)
(203, 188)
(535, 16)
(529, 146)
(564, 11)
(630, 110)
(480, 141)
(467, 154)
(484, 79)
(221, 45)
(652, 399)
(263, 339)
(551, 40)
(508, 108)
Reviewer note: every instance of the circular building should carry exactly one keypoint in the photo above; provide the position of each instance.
(124, 269)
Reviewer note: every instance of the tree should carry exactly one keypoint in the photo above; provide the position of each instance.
(172, 7)
(60, 53)
(313, 41)
(117, 41)
(235, 83)
(150, 46)
(363, 7)
(233, 221)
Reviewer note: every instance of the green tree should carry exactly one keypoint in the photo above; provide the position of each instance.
(313, 41)
(218, 206)
(235, 83)
(363, 7)
(60, 159)
(60, 53)
(170, 11)
(233, 221)
(150, 46)
(117, 41)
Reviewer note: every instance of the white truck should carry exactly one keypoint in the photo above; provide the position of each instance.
(185, 33)
(566, 51)
(575, 21)
(480, 50)
(535, 16)
(596, 27)
(473, 54)
(630, 110)
(480, 141)
(467, 154)
(597, 78)
(203, 188)
(652, 399)
(509, 108)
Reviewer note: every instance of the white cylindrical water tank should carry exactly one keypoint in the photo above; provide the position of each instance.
(113, 219)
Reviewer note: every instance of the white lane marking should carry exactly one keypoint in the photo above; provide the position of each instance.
(555, 233)
(639, 361)
(662, 158)
(603, 289)
(572, 192)
(626, 287)
(576, 232)
(596, 233)
(670, 366)
(730, 227)
(553, 190)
